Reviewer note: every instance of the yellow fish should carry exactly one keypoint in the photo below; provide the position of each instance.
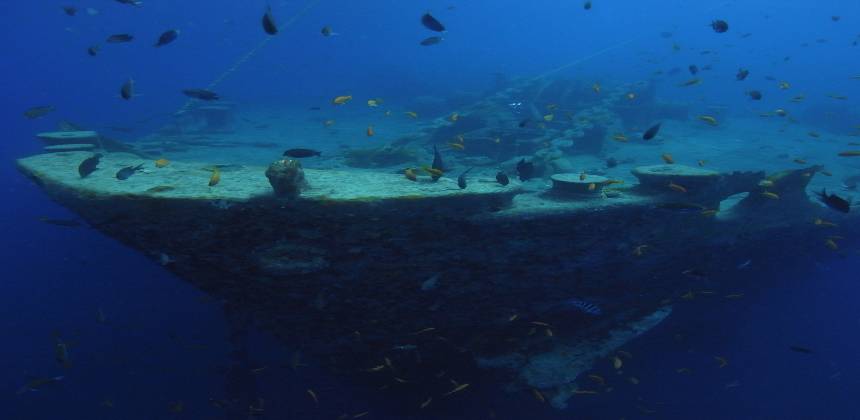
(160, 163)
(373, 103)
(708, 119)
(548, 117)
(432, 171)
(411, 114)
(849, 153)
(630, 96)
(457, 146)
(592, 186)
(676, 187)
(667, 158)
(770, 195)
(780, 112)
(596, 88)
(722, 360)
(617, 362)
(340, 100)
(830, 243)
(454, 117)
(215, 178)
(784, 85)
(708, 212)
(619, 137)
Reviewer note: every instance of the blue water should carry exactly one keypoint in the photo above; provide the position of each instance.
(163, 342)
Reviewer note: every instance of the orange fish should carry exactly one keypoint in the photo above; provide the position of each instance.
(160, 163)
(850, 153)
(370, 131)
(410, 174)
(667, 158)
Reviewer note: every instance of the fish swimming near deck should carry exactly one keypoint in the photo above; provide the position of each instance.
(834, 201)
(437, 164)
(128, 171)
(89, 165)
(461, 180)
(525, 170)
(502, 178)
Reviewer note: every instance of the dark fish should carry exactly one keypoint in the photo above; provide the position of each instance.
(302, 153)
(92, 51)
(611, 162)
(38, 111)
(118, 38)
(130, 2)
(742, 74)
(835, 18)
(167, 37)
(61, 222)
(437, 164)
(583, 306)
(431, 23)
(326, 31)
(525, 170)
(269, 22)
(651, 132)
(754, 95)
(587, 5)
(665, 34)
(461, 180)
(70, 10)
(800, 349)
(314, 108)
(89, 165)
(502, 178)
(524, 123)
(127, 89)
(202, 94)
(693, 69)
(834, 201)
(127, 172)
(720, 26)
(433, 40)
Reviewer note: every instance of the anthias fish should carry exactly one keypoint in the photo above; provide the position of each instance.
(167, 37)
(834, 201)
(432, 23)
(302, 153)
(127, 172)
(202, 94)
(89, 165)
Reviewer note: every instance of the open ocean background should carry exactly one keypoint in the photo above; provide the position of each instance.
(163, 342)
